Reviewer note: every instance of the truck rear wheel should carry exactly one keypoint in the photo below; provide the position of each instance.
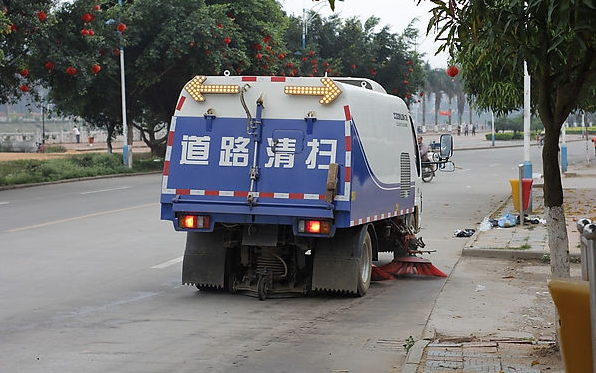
(365, 271)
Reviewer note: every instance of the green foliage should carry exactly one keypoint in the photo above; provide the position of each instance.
(71, 167)
(23, 24)
(167, 42)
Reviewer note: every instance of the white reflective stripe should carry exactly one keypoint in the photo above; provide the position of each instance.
(168, 153)
(281, 195)
(312, 196)
(226, 193)
(197, 192)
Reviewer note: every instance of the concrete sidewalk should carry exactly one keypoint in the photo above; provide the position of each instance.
(494, 313)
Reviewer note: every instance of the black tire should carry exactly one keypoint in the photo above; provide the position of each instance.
(262, 287)
(427, 174)
(365, 270)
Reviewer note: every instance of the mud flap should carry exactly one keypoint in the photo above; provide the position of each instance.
(336, 265)
(204, 259)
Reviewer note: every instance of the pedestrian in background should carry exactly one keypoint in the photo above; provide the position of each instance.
(77, 134)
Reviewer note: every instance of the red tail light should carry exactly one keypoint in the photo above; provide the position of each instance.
(193, 221)
(314, 226)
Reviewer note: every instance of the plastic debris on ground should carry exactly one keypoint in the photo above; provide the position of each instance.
(468, 232)
(508, 220)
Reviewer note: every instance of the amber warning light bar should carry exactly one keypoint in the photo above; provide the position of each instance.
(328, 92)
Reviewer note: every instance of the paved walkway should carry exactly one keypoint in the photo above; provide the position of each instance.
(507, 349)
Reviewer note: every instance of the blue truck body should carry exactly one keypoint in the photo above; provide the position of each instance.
(289, 184)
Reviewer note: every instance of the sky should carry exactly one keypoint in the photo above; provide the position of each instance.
(397, 14)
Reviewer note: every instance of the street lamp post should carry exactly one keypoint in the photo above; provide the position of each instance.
(305, 21)
(126, 148)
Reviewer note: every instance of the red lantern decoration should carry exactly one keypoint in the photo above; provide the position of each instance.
(266, 39)
(220, 25)
(96, 7)
(71, 70)
(227, 40)
(121, 27)
(41, 15)
(24, 72)
(95, 69)
(353, 67)
(91, 32)
(311, 53)
(406, 82)
(452, 71)
(257, 46)
(49, 65)
(84, 32)
(259, 56)
(409, 62)
(290, 65)
(24, 87)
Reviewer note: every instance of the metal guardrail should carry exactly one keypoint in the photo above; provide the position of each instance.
(587, 232)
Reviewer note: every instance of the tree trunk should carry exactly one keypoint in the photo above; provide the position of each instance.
(558, 242)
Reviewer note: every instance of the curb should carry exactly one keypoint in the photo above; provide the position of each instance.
(414, 356)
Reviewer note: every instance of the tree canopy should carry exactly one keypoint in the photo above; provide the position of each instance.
(74, 54)
(491, 42)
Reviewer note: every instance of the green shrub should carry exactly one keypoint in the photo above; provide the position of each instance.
(73, 167)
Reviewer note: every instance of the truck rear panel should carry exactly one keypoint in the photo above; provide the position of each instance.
(260, 155)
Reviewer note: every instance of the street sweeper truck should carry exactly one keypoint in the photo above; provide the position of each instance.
(292, 185)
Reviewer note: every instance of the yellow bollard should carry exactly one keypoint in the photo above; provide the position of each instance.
(572, 299)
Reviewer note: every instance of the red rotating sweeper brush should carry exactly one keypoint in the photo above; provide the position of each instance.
(411, 265)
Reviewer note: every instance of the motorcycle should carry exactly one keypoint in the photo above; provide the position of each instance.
(441, 152)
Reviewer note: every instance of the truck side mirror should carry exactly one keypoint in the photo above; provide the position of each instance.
(446, 146)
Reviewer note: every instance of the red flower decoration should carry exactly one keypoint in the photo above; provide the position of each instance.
(266, 38)
(24, 72)
(219, 25)
(49, 65)
(96, 7)
(41, 15)
(353, 67)
(290, 65)
(406, 82)
(259, 56)
(311, 53)
(95, 69)
(409, 62)
(227, 40)
(257, 46)
(24, 87)
(71, 70)
(84, 32)
(121, 27)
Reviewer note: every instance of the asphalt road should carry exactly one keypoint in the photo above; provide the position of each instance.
(90, 282)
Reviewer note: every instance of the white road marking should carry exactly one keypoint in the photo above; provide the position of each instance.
(4, 203)
(168, 263)
(75, 218)
(104, 190)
